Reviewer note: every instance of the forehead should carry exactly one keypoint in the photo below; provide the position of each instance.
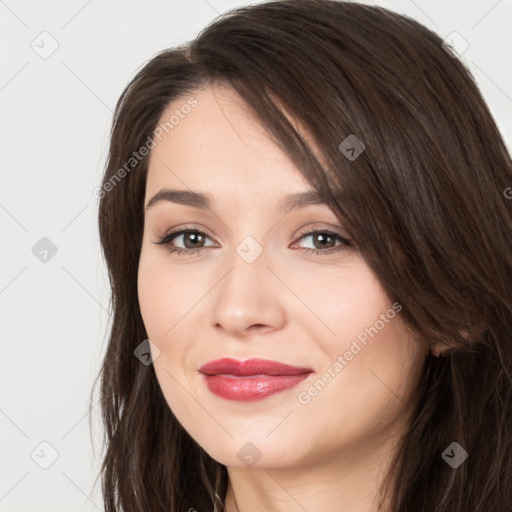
(220, 146)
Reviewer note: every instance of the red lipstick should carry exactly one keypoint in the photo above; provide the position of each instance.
(252, 379)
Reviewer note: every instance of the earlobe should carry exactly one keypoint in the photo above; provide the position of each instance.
(435, 351)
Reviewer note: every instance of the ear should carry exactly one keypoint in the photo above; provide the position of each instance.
(435, 351)
(438, 350)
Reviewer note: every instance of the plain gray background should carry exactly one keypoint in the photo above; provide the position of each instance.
(56, 115)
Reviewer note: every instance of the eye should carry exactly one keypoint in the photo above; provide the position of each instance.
(192, 239)
(325, 242)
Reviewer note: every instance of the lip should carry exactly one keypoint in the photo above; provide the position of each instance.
(252, 379)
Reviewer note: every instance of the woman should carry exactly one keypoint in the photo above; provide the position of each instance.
(308, 239)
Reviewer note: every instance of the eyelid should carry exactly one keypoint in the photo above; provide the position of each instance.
(188, 227)
(304, 231)
(337, 230)
(346, 241)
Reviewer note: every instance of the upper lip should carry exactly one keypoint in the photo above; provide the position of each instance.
(254, 366)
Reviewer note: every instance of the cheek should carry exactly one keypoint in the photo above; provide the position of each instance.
(165, 294)
(368, 351)
(365, 394)
(345, 301)
(164, 301)
(152, 299)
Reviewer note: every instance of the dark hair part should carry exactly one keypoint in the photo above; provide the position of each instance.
(424, 203)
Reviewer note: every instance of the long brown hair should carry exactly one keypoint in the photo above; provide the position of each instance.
(424, 203)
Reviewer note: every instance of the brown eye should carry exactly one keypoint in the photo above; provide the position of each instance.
(192, 239)
(184, 241)
(325, 242)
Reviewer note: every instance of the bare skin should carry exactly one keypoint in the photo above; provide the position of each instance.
(316, 451)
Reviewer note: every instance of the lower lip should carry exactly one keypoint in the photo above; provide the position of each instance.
(250, 389)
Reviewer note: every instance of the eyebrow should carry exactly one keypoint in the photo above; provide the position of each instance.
(204, 201)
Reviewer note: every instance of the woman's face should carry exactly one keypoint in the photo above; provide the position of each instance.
(256, 288)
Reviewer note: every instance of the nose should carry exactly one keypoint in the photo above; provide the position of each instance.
(249, 298)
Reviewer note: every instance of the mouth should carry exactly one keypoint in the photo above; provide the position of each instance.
(251, 380)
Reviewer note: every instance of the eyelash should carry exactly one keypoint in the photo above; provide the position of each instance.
(166, 240)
